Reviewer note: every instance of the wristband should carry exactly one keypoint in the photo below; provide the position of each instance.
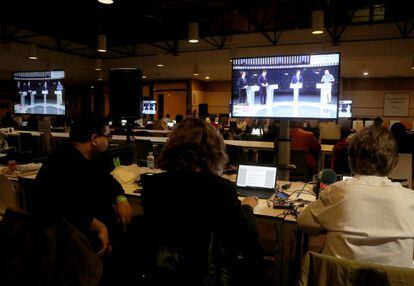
(120, 199)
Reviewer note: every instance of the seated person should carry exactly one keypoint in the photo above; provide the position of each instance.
(191, 211)
(305, 140)
(368, 217)
(74, 185)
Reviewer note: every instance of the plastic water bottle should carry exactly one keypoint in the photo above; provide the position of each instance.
(150, 160)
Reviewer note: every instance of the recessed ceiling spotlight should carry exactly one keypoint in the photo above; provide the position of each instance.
(106, 1)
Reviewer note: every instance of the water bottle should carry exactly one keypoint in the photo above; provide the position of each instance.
(150, 160)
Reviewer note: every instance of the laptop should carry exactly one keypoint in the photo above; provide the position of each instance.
(256, 181)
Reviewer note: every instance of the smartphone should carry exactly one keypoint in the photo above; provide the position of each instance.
(282, 195)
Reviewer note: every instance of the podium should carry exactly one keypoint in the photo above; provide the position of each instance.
(250, 90)
(58, 97)
(45, 93)
(296, 87)
(269, 93)
(22, 97)
(326, 89)
(32, 96)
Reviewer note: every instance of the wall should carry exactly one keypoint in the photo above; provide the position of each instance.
(368, 96)
(216, 94)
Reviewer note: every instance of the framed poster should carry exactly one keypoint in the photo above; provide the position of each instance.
(396, 104)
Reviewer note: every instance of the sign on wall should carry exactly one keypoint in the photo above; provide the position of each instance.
(396, 104)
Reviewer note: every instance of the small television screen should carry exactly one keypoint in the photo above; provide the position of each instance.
(345, 108)
(40, 92)
(149, 107)
(296, 86)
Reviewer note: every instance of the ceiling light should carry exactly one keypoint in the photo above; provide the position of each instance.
(100, 76)
(101, 46)
(412, 64)
(317, 22)
(193, 32)
(98, 65)
(144, 76)
(33, 52)
(160, 60)
(365, 73)
(106, 1)
(196, 70)
(207, 77)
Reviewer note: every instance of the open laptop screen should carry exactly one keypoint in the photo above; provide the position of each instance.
(256, 176)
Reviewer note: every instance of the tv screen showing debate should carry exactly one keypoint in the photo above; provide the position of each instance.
(40, 92)
(296, 86)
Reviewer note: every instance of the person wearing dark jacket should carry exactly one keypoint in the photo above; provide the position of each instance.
(197, 227)
(404, 139)
(73, 184)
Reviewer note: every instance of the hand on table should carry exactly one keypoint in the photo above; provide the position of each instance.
(250, 201)
(124, 212)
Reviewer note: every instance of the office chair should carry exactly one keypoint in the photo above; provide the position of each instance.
(319, 269)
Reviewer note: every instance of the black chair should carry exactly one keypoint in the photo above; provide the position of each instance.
(27, 149)
(28, 194)
(236, 155)
(143, 147)
(298, 158)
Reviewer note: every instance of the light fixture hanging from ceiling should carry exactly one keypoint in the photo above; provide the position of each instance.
(412, 64)
(196, 70)
(98, 64)
(33, 52)
(106, 1)
(193, 32)
(101, 46)
(318, 26)
(100, 76)
(160, 60)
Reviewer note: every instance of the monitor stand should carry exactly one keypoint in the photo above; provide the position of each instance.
(283, 158)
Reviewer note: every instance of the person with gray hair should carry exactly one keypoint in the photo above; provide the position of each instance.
(367, 217)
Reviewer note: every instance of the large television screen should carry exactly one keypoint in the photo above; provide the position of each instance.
(345, 108)
(149, 107)
(40, 92)
(296, 86)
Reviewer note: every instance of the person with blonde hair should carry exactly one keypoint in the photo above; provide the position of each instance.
(197, 227)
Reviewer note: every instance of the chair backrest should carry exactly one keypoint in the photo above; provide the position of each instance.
(28, 192)
(319, 269)
(403, 171)
(340, 160)
(143, 147)
(236, 155)
(8, 195)
(26, 143)
(298, 158)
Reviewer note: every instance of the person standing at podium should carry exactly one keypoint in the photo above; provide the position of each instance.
(296, 80)
(262, 81)
(242, 84)
(326, 91)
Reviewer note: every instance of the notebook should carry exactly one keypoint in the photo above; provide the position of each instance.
(254, 180)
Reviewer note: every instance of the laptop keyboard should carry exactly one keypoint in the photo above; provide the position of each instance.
(261, 194)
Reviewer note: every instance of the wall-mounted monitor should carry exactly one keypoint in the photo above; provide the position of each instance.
(295, 86)
(345, 108)
(40, 92)
(149, 107)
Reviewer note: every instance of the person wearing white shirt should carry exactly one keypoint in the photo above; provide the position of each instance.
(368, 217)
(326, 91)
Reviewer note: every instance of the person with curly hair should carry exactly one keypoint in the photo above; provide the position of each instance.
(199, 232)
